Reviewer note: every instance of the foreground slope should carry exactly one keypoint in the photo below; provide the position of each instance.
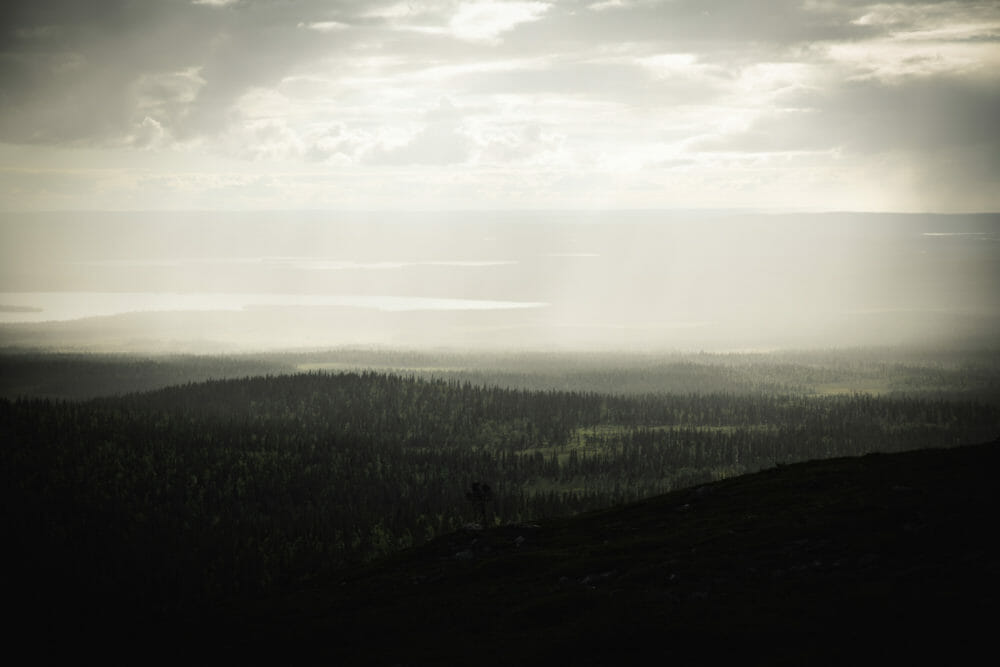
(844, 560)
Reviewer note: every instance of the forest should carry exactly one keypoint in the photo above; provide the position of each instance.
(956, 374)
(211, 490)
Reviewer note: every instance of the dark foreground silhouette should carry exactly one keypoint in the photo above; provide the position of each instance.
(844, 561)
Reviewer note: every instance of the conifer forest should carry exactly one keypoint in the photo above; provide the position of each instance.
(208, 490)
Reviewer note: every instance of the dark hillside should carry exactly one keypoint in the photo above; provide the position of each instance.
(851, 560)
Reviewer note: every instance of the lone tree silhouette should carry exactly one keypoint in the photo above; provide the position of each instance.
(479, 495)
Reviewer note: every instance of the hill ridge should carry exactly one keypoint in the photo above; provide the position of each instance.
(831, 561)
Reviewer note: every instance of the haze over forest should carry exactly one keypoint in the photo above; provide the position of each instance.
(195, 175)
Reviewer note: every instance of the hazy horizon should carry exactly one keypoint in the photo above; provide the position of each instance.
(530, 280)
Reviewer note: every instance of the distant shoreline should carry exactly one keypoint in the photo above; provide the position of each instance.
(18, 309)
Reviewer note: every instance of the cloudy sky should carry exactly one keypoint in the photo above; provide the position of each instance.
(436, 104)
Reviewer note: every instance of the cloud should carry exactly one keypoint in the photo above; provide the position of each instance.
(88, 72)
(441, 141)
(608, 4)
(528, 144)
(324, 26)
(267, 139)
(932, 137)
(481, 22)
(486, 21)
(148, 134)
(336, 144)
(922, 114)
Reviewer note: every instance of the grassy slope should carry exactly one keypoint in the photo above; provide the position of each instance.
(839, 561)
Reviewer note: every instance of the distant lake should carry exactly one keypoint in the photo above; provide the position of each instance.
(63, 306)
(612, 279)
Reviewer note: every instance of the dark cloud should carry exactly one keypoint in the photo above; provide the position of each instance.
(920, 113)
(938, 132)
(83, 71)
(926, 113)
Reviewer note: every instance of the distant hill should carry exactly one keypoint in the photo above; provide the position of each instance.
(878, 558)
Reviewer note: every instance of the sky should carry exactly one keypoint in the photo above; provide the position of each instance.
(478, 104)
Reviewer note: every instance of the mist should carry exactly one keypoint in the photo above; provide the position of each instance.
(626, 280)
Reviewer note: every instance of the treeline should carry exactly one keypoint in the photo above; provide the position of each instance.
(199, 492)
(78, 376)
(954, 375)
